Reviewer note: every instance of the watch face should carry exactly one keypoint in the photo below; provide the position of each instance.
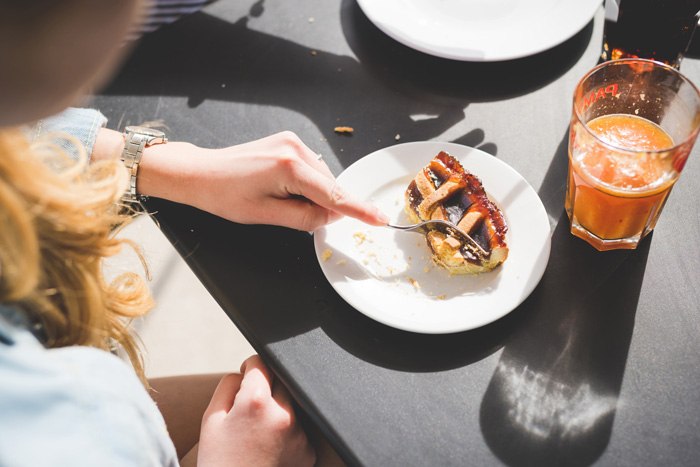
(145, 131)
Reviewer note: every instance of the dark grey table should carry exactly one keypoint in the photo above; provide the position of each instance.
(601, 364)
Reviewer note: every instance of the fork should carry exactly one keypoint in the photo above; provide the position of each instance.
(445, 227)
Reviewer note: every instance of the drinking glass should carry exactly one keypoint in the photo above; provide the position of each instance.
(633, 125)
(659, 30)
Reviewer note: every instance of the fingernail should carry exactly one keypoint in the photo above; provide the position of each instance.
(381, 217)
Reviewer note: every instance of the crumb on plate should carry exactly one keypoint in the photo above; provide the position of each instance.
(326, 255)
(359, 237)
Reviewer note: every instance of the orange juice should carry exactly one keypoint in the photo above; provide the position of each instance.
(613, 192)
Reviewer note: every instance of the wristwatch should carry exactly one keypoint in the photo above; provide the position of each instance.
(136, 139)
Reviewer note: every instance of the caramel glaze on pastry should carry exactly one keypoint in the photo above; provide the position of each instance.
(444, 190)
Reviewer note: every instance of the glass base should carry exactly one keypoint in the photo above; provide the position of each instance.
(601, 244)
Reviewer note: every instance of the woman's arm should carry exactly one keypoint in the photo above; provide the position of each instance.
(275, 180)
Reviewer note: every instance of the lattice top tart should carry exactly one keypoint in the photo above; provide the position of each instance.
(443, 189)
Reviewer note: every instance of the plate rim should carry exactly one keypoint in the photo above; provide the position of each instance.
(320, 235)
(399, 35)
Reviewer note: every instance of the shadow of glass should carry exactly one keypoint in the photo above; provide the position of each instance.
(552, 398)
(553, 186)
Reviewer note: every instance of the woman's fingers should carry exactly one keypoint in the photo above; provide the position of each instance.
(297, 213)
(254, 361)
(316, 182)
(326, 192)
(275, 180)
(256, 385)
(224, 394)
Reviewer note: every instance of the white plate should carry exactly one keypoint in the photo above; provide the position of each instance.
(389, 275)
(480, 30)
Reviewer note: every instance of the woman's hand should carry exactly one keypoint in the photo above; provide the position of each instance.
(275, 180)
(250, 421)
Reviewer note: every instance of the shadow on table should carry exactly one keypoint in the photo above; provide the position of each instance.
(381, 92)
(425, 76)
(387, 90)
(553, 396)
(410, 352)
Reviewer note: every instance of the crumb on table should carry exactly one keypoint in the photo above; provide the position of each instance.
(345, 130)
(414, 283)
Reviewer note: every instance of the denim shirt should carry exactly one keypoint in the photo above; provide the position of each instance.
(74, 406)
(82, 124)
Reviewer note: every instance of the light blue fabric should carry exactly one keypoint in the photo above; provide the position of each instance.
(83, 124)
(74, 406)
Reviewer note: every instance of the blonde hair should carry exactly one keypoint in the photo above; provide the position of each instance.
(59, 218)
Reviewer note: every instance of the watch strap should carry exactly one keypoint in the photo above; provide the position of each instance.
(134, 145)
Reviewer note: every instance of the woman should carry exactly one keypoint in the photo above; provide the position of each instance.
(65, 399)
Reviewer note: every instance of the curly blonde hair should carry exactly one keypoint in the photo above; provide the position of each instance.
(59, 218)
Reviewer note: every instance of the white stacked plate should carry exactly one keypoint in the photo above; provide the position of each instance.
(480, 30)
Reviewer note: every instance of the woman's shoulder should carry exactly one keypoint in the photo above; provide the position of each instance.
(75, 404)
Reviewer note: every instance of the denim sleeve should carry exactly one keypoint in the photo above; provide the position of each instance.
(82, 124)
(75, 406)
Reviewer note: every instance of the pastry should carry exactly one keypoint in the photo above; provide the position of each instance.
(444, 190)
